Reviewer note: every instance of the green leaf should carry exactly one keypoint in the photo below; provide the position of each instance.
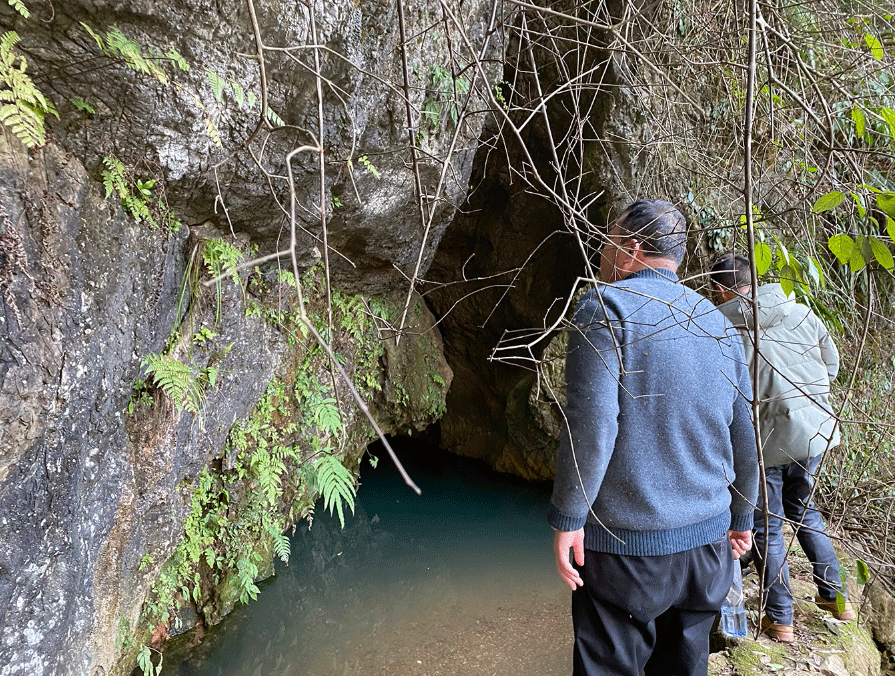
(829, 201)
(863, 574)
(19, 6)
(859, 204)
(788, 279)
(815, 271)
(881, 253)
(99, 40)
(336, 484)
(274, 119)
(176, 57)
(889, 116)
(326, 415)
(840, 602)
(858, 259)
(860, 123)
(217, 84)
(238, 92)
(890, 227)
(82, 105)
(763, 258)
(875, 47)
(783, 253)
(842, 246)
(144, 661)
(886, 202)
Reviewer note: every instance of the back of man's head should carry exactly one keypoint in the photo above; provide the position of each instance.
(732, 272)
(658, 226)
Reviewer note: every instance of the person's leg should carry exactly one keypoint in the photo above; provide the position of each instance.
(798, 480)
(682, 632)
(774, 570)
(614, 612)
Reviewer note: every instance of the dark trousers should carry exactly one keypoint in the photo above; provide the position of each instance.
(789, 487)
(649, 613)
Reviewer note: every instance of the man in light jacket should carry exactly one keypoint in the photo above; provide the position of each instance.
(798, 360)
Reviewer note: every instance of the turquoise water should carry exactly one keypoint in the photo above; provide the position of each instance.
(459, 580)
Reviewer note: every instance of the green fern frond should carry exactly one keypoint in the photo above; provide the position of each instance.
(83, 106)
(177, 380)
(19, 6)
(176, 57)
(119, 45)
(326, 415)
(217, 84)
(96, 36)
(336, 485)
(7, 42)
(251, 99)
(274, 118)
(246, 572)
(113, 178)
(238, 92)
(281, 545)
(26, 106)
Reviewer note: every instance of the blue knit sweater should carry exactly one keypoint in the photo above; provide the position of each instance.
(659, 441)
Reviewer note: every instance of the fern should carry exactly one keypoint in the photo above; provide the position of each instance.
(113, 178)
(83, 106)
(217, 84)
(177, 380)
(269, 472)
(130, 52)
(22, 106)
(238, 92)
(19, 6)
(281, 545)
(336, 485)
(364, 160)
(326, 415)
(246, 572)
(274, 118)
(96, 36)
(176, 57)
(221, 257)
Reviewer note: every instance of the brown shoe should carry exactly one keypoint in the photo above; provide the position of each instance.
(778, 632)
(847, 612)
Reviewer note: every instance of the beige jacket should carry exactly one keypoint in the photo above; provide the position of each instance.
(798, 362)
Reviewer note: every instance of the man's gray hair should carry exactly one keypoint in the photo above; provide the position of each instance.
(658, 226)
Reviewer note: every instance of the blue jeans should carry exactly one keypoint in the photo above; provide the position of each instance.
(788, 489)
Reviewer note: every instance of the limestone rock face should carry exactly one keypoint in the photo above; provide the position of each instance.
(84, 494)
(193, 116)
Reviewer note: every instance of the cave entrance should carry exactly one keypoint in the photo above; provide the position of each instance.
(458, 580)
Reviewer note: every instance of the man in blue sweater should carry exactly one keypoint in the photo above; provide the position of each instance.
(657, 473)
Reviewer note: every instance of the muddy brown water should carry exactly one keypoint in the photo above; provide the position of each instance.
(456, 582)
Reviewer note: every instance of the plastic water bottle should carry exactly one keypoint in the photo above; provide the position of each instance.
(733, 610)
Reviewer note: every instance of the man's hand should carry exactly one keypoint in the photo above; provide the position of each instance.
(563, 541)
(740, 542)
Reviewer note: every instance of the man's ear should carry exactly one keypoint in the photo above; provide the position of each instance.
(633, 248)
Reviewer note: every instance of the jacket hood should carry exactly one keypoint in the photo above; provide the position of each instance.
(773, 307)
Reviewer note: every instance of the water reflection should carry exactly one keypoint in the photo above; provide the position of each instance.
(457, 581)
